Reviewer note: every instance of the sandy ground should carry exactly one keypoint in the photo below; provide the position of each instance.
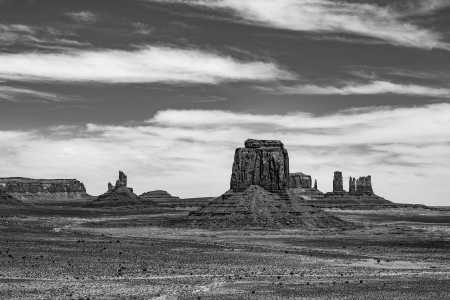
(393, 254)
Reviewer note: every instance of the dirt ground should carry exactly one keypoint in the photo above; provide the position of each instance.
(70, 253)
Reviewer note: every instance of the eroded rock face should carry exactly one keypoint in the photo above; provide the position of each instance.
(338, 186)
(261, 162)
(352, 185)
(28, 185)
(118, 195)
(364, 185)
(300, 180)
(36, 190)
(122, 181)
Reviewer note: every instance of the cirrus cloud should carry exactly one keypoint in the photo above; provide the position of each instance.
(385, 23)
(371, 88)
(145, 65)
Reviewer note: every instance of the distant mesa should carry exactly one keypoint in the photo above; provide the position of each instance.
(166, 200)
(360, 194)
(160, 197)
(38, 191)
(118, 195)
(300, 180)
(259, 196)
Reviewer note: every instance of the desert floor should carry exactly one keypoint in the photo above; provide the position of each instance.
(74, 253)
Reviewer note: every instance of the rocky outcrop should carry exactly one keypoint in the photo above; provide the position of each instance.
(44, 190)
(261, 162)
(118, 195)
(364, 185)
(166, 200)
(338, 186)
(256, 207)
(122, 181)
(360, 195)
(260, 195)
(352, 185)
(160, 197)
(300, 180)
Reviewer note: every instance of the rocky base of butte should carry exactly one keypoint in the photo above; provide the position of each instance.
(259, 194)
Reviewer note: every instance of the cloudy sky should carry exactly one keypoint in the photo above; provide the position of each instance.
(167, 89)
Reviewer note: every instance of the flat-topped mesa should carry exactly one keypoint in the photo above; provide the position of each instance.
(251, 143)
(338, 186)
(43, 190)
(29, 185)
(300, 180)
(261, 162)
(364, 185)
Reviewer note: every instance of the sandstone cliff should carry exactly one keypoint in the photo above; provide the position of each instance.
(259, 194)
(261, 162)
(44, 190)
(338, 185)
(300, 180)
(118, 195)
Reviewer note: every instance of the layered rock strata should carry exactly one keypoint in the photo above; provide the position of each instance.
(164, 199)
(44, 190)
(300, 180)
(338, 186)
(261, 162)
(259, 194)
(7, 199)
(118, 195)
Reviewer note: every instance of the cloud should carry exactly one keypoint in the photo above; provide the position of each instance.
(190, 152)
(372, 88)
(15, 94)
(37, 36)
(325, 16)
(82, 16)
(146, 65)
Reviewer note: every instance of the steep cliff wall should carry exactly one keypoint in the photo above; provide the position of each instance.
(261, 162)
(42, 190)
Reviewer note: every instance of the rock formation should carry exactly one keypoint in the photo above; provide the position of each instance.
(352, 185)
(259, 194)
(118, 195)
(166, 200)
(300, 180)
(261, 162)
(338, 186)
(160, 197)
(359, 196)
(44, 190)
(364, 185)
(257, 207)
(122, 181)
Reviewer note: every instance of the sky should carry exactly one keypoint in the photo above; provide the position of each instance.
(165, 90)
